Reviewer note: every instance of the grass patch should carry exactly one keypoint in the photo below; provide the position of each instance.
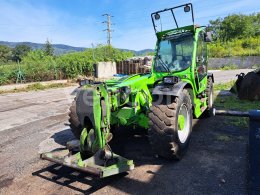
(234, 103)
(37, 87)
(229, 67)
(242, 122)
(224, 138)
(224, 86)
(256, 66)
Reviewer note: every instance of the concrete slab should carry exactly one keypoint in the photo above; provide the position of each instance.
(21, 108)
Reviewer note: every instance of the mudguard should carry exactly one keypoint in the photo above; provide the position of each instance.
(171, 90)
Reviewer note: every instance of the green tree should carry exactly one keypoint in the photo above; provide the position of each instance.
(215, 26)
(48, 48)
(20, 51)
(236, 26)
(256, 23)
(5, 53)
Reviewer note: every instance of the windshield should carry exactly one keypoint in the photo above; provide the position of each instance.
(174, 54)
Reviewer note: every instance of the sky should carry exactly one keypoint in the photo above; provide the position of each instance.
(79, 22)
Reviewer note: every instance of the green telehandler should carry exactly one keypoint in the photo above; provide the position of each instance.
(163, 101)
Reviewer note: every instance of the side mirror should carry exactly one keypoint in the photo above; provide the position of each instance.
(208, 36)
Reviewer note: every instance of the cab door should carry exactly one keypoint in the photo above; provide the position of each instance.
(201, 63)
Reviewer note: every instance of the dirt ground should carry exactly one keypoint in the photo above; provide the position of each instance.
(216, 162)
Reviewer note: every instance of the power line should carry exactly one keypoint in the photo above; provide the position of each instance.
(108, 22)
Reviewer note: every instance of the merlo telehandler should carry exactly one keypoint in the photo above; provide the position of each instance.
(164, 101)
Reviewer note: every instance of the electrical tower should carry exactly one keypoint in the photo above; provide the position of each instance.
(109, 30)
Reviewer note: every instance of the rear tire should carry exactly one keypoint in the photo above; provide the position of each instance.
(75, 125)
(170, 126)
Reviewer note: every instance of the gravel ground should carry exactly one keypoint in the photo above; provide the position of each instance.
(33, 122)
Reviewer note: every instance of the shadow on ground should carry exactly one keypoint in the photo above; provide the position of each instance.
(62, 137)
(216, 162)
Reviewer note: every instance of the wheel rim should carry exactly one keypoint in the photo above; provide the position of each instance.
(183, 123)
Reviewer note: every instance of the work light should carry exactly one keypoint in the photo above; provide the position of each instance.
(170, 80)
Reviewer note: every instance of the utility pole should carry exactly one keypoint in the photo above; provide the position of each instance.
(108, 22)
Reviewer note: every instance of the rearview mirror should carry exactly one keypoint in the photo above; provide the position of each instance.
(208, 36)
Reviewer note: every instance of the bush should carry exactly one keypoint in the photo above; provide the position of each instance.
(37, 66)
(81, 63)
(8, 73)
(235, 47)
(75, 64)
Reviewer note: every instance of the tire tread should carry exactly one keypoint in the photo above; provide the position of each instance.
(76, 127)
(161, 125)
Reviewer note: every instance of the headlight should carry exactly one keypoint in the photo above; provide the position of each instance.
(171, 79)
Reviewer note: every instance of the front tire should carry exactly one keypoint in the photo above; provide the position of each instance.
(76, 127)
(170, 126)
